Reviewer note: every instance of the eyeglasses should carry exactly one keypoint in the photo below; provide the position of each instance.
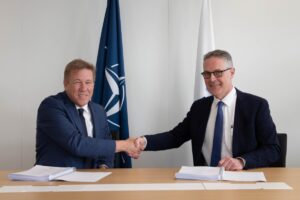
(217, 74)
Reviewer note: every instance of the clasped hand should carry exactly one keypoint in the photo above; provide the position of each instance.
(132, 146)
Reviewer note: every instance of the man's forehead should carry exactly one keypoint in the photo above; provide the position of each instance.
(215, 63)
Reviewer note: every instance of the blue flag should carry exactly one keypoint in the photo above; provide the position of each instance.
(110, 90)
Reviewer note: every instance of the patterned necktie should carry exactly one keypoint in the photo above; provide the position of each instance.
(80, 110)
(218, 134)
(89, 163)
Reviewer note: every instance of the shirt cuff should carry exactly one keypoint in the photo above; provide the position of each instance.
(103, 166)
(145, 142)
(243, 161)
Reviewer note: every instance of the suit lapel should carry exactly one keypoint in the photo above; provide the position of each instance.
(199, 117)
(72, 111)
(93, 113)
(202, 119)
(237, 122)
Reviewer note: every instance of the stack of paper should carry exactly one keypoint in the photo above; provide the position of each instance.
(217, 173)
(48, 173)
(199, 173)
(41, 173)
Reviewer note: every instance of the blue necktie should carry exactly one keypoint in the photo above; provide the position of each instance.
(89, 163)
(80, 110)
(218, 134)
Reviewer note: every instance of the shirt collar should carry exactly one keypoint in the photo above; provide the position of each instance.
(229, 99)
(85, 107)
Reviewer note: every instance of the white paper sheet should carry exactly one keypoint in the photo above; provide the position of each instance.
(146, 187)
(248, 186)
(230, 186)
(83, 176)
(243, 176)
(275, 186)
(104, 187)
(8, 189)
(133, 187)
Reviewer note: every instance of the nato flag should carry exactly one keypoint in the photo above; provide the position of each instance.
(110, 90)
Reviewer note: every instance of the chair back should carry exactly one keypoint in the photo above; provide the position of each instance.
(282, 137)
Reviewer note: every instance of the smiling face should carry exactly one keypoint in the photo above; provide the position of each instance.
(79, 86)
(221, 86)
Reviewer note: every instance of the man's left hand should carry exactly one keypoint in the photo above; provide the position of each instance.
(231, 164)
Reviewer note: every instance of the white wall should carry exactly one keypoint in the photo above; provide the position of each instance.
(38, 38)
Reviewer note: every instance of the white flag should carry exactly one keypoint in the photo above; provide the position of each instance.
(206, 43)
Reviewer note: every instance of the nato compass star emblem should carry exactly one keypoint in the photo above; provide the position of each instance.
(116, 100)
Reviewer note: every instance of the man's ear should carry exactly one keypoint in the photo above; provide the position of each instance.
(232, 71)
(65, 83)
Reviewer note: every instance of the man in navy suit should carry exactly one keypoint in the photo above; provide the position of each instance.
(67, 139)
(249, 137)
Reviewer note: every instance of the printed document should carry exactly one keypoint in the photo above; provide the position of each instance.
(217, 173)
(48, 173)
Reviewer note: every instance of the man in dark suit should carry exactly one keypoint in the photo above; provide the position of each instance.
(72, 131)
(248, 135)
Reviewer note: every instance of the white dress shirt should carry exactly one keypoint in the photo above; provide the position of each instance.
(228, 110)
(88, 119)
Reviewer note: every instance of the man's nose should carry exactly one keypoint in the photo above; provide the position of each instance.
(83, 86)
(212, 77)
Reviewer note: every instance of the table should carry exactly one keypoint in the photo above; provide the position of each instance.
(291, 176)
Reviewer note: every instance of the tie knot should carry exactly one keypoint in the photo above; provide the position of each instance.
(81, 110)
(220, 104)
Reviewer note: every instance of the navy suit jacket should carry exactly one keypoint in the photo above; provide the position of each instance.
(60, 140)
(254, 133)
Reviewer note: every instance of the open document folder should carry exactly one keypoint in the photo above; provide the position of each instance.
(217, 173)
(48, 173)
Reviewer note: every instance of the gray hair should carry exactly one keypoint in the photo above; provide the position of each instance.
(220, 54)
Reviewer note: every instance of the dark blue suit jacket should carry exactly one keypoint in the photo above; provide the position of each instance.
(254, 133)
(60, 140)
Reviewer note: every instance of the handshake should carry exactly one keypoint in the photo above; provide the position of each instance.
(132, 146)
